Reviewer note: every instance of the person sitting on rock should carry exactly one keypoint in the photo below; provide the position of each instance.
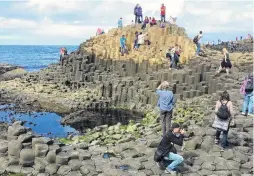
(98, 32)
(146, 21)
(123, 44)
(166, 103)
(224, 115)
(247, 91)
(225, 63)
(153, 22)
(166, 150)
(162, 25)
(120, 23)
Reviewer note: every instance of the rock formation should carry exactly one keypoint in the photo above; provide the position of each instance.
(106, 46)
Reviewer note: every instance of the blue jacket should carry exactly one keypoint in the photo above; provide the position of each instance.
(139, 11)
(120, 23)
(122, 41)
(166, 100)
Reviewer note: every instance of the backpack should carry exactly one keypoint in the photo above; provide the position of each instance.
(223, 112)
(249, 86)
(195, 40)
(158, 156)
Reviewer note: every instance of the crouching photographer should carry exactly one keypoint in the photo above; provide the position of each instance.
(166, 151)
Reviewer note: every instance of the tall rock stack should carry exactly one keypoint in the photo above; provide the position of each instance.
(107, 45)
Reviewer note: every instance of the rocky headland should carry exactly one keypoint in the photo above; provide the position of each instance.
(96, 77)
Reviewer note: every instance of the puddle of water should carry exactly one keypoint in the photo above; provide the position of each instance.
(46, 124)
(49, 124)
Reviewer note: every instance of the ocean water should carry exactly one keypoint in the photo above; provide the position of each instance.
(32, 57)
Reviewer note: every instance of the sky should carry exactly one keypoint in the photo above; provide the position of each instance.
(71, 22)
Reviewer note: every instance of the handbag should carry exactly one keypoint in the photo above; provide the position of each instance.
(158, 155)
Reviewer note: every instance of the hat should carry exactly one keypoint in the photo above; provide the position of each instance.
(175, 125)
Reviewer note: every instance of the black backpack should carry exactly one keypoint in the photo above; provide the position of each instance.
(249, 86)
(223, 112)
(195, 40)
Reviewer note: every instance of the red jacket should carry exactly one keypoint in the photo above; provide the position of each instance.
(163, 10)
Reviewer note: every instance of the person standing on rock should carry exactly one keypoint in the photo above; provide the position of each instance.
(120, 23)
(224, 115)
(166, 104)
(123, 44)
(136, 13)
(196, 40)
(166, 149)
(163, 13)
(247, 91)
(140, 14)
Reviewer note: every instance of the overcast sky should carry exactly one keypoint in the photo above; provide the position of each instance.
(73, 21)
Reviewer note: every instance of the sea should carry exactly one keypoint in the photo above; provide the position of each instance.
(32, 57)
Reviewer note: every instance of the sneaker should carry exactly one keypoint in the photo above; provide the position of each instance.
(216, 141)
(243, 113)
(169, 171)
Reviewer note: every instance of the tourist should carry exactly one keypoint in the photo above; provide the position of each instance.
(132, 24)
(65, 51)
(61, 52)
(225, 63)
(163, 13)
(174, 59)
(123, 44)
(166, 104)
(196, 40)
(145, 22)
(140, 14)
(224, 114)
(168, 54)
(247, 91)
(166, 149)
(120, 23)
(135, 47)
(98, 32)
(153, 22)
(162, 25)
(136, 13)
(142, 40)
(241, 38)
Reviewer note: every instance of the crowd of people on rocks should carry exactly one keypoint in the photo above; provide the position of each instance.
(174, 133)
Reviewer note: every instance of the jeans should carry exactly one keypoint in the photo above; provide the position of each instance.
(123, 49)
(198, 48)
(163, 18)
(177, 159)
(173, 61)
(165, 121)
(248, 103)
(136, 18)
(224, 137)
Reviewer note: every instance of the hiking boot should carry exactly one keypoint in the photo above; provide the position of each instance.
(170, 171)
(216, 141)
